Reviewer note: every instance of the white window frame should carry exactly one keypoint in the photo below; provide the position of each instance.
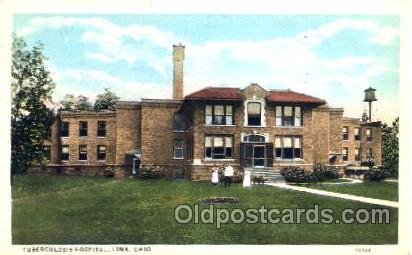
(224, 145)
(279, 117)
(262, 112)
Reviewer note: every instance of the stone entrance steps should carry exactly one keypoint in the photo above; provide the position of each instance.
(272, 175)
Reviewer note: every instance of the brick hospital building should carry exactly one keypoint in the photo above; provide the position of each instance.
(249, 127)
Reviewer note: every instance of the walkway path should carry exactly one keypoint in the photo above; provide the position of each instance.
(338, 195)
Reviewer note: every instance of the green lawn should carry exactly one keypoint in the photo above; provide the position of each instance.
(80, 210)
(381, 190)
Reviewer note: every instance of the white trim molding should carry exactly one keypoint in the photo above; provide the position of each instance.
(262, 112)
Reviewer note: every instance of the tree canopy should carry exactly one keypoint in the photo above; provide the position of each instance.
(30, 118)
(106, 101)
(390, 147)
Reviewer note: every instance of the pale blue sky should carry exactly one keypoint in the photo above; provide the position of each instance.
(332, 57)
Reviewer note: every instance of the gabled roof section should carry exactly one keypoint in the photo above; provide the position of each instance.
(289, 96)
(216, 93)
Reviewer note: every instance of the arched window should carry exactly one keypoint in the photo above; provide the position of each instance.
(254, 138)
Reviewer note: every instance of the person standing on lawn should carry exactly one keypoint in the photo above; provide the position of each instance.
(228, 175)
(215, 176)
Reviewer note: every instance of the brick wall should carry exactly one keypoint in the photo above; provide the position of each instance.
(363, 144)
(158, 135)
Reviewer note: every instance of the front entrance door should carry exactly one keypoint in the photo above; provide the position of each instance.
(256, 154)
(259, 155)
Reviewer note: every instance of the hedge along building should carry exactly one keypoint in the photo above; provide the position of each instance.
(188, 135)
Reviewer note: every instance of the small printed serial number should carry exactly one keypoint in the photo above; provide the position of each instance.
(363, 249)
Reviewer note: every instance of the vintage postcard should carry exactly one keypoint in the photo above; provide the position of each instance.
(154, 127)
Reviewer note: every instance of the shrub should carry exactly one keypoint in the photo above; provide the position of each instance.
(151, 172)
(376, 175)
(322, 172)
(296, 174)
(370, 162)
(237, 177)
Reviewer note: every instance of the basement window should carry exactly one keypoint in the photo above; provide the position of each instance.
(218, 147)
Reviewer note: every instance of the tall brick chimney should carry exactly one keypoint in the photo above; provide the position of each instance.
(178, 59)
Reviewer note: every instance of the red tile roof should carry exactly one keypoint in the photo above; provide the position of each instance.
(289, 96)
(216, 93)
(277, 96)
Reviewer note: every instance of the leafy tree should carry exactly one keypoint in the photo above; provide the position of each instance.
(390, 147)
(82, 103)
(75, 104)
(31, 87)
(106, 101)
(68, 103)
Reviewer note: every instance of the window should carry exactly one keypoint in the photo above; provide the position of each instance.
(101, 152)
(345, 154)
(82, 152)
(218, 147)
(254, 138)
(254, 114)
(288, 147)
(288, 116)
(357, 154)
(345, 133)
(179, 173)
(47, 152)
(65, 153)
(368, 135)
(64, 129)
(219, 115)
(178, 149)
(178, 122)
(83, 128)
(370, 153)
(101, 129)
(357, 134)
